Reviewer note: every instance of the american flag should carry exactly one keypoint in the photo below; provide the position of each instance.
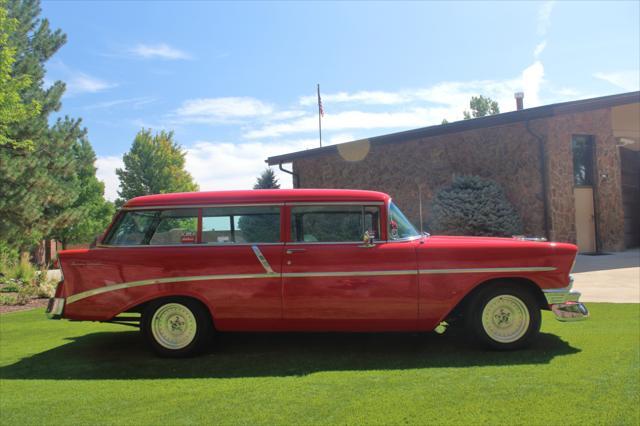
(320, 109)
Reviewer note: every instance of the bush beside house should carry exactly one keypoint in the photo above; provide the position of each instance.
(472, 205)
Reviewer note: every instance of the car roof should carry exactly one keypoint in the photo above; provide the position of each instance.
(256, 196)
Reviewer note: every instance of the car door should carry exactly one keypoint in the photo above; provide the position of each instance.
(333, 281)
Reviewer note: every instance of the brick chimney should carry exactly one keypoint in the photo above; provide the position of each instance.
(519, 100)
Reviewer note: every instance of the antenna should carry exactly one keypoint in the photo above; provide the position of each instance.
(420, 207)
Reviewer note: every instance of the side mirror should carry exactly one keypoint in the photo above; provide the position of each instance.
(95, 241)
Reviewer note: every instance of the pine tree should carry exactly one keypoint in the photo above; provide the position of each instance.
(13, 109)
(472, 205)
(94, 212)
(267, 180)
(37, 186)
(154, 165)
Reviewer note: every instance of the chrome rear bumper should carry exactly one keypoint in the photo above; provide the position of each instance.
(565, 304)
(55, 308)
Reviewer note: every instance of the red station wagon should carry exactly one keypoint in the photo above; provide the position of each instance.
(192, 264)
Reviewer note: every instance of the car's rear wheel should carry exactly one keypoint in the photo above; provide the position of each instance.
(176, 327)
(504, 317)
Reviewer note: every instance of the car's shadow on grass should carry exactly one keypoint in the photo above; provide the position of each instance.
(123, 355)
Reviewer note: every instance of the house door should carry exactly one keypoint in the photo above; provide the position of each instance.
(585, 219)
(582, 147)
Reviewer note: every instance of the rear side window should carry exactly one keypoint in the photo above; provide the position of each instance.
(155, 227)
(339, 223)
(241, 224)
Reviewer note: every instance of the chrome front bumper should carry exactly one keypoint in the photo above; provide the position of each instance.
(565, 305)
(55, 308)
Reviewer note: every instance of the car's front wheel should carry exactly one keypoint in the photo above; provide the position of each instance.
(176, 327)
(504, 317)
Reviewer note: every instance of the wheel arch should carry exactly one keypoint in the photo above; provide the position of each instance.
(140, 305)
(460, 308)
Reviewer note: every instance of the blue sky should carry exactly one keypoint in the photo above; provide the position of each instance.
(236, 81)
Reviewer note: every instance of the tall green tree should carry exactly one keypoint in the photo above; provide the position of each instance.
(267, 180)
(13, 108)
(39, 185)
(481, 106)
(93, 212)
(47, 176)
(154, 165)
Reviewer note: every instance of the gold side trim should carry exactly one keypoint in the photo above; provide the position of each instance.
(347, 274)
(121, 286)
(271, 274)
(262, 259)
(480, 270)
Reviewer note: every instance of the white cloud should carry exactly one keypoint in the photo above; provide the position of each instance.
(223, 165)
(216, 110)
(411, 108)
(107, 173)
(133, 102)
(544, 17)
(628, 80)
(539, 49)
(162, 51)
(79, 82)
(363, 97)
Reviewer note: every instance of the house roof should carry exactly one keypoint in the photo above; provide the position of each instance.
(256, 196)
(476, 123)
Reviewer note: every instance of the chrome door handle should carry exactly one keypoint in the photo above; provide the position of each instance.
(291, 251)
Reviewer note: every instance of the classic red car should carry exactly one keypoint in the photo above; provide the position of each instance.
(192, 264)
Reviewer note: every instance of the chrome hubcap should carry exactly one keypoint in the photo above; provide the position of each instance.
(173, 326)
(505, 318)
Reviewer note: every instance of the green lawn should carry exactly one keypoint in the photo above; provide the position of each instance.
(61, 372)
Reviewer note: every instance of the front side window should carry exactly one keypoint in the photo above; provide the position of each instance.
(155, 227)
(241, 224)
(399, 226)
(339, 223)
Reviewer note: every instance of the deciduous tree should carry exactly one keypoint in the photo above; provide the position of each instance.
(481, 106)
(154, 165)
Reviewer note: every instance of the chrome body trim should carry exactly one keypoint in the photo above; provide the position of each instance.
(200, 206)
(263, 261)
(489, 270)
(271, 274)
(55, 308)
(113, 287)
(565, 303)
(336, 203)
(348, 274)
(203, 244)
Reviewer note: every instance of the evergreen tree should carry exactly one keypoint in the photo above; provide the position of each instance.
(267, 180)
(481, 107)
(154, 165)
(37, 186)
(94, 212)
(13, 108)
(472, 205)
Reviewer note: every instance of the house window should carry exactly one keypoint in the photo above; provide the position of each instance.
(583, 164)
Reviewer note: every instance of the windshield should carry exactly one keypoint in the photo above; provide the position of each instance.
(399, 225)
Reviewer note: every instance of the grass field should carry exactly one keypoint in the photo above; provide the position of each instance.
(59, 372)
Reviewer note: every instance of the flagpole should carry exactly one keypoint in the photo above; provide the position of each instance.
(319, 116)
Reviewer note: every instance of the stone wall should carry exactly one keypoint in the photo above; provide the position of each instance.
(607, 190)
(507, 154)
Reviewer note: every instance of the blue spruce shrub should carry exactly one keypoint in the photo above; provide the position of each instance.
(472, 205)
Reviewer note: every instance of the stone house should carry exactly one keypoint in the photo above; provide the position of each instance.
(572, 169)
